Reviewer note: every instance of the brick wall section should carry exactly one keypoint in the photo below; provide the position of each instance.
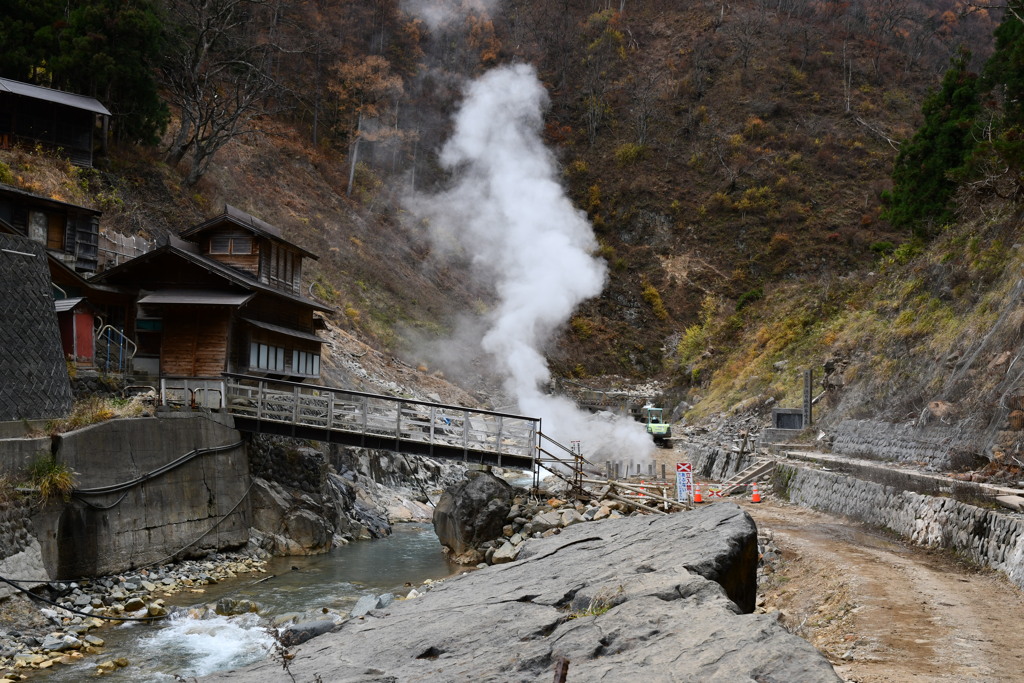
(34, 374)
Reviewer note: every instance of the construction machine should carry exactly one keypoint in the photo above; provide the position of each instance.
(657, 427)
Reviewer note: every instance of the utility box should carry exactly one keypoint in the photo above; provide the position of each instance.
(787, 418)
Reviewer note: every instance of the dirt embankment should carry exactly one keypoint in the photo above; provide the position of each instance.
(884, 611)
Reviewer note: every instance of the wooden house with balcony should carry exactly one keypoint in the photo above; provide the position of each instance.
(225, 296)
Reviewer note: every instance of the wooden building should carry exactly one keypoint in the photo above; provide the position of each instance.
(68, 232)
(225, 297)
(82, 307)
(59, 120)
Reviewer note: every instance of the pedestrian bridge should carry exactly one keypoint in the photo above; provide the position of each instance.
(355, 418)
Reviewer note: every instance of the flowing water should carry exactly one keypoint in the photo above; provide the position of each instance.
(189, 647)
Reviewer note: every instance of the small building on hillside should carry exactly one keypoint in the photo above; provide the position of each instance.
(59, 120)
(225, 297)
(70, 233)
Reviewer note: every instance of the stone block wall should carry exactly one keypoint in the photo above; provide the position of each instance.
(930, 446)
(20, 556)
(34, 373)
(988, 537)
(714, 461)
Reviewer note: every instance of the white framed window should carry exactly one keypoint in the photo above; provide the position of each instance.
(305, 363)
(266, 357)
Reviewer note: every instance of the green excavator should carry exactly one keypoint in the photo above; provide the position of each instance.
(659, 430)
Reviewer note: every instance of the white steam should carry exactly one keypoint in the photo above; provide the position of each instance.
(508, 210)
(438, 14)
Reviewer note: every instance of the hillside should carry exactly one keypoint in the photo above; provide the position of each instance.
(731, 159)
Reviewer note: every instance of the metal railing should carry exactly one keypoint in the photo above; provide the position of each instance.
(113, 349)
(193, 392)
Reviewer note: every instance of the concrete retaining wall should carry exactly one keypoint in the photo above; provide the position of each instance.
(193, 507)
(988, 537)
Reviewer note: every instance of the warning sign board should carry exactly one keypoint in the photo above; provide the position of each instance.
(684, 482)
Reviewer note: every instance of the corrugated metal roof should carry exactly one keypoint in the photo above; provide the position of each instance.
(308, 336)
(63, 305)
(67, 99)
(197, 297)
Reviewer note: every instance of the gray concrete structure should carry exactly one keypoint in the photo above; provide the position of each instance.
(146, 489)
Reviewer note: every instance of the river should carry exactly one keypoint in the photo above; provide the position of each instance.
(189, 647)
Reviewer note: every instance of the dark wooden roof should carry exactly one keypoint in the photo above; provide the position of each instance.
(235, 216)
(188, 252)
(52, 203)
(67, 99)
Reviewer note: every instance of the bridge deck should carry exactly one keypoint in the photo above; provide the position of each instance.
(373, 421)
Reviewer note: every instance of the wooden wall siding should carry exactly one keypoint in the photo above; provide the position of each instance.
(195, 342)
(281, 267)
(270, 309)
(247, 262)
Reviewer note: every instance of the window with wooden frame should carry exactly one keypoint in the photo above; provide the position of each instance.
(231, 244)
(266, 357)
(305, 363)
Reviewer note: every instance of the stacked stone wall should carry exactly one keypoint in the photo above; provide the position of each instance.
(715, 462)
(20, 557)
(931, 446)
(987, 537)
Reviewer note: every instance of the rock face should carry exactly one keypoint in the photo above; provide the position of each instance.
(635, 598)
(472, 512)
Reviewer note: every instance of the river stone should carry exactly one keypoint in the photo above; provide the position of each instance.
(656, 598)
(506, 553)
(472, 512)
(364, 605)
(295, 634)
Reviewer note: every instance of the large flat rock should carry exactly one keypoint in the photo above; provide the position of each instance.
(641, 598)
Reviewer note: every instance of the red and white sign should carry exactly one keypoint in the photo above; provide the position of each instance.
(684, 467)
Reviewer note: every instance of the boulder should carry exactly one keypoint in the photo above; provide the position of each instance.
(472, 512)
(294, 634)
(642, 598)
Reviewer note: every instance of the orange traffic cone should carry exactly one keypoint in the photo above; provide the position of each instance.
(696, 494)
(755, 497)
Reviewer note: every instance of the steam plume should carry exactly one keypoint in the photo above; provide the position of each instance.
(438, 14)
(508, 210)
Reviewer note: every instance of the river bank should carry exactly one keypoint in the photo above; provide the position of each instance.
(618, 598)
(69, 626)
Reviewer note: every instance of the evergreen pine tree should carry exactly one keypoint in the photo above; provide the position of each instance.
(922, 184)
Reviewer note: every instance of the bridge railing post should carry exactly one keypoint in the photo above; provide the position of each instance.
(261, 392)
(433, 419)
(398, 426)
(465, 434)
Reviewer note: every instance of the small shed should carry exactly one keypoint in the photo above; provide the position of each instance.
(68, 232)
(56, 119)
(76, 318)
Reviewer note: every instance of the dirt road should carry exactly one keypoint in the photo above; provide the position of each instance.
(883, 611)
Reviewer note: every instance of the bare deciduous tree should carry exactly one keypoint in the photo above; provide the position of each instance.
(217, 72)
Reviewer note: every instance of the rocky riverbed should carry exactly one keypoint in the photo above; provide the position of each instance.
(654, 597)
(38, 635)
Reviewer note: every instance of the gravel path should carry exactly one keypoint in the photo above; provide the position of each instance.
(884, 611)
